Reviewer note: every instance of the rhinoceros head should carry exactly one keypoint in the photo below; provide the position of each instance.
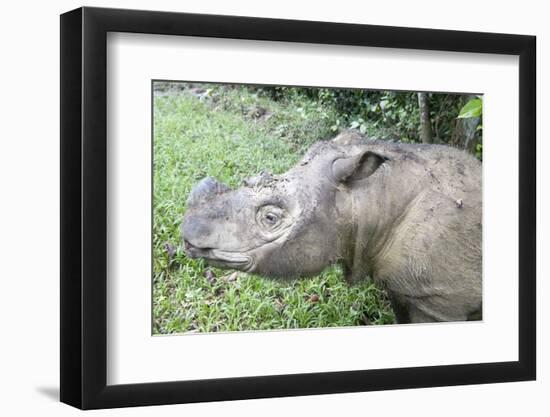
(287, 225)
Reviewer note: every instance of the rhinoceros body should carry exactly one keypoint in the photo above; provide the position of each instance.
(407, 215)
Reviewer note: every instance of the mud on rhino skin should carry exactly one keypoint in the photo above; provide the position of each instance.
(407, 215)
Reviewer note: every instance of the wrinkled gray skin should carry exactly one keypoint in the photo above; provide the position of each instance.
(407, 215)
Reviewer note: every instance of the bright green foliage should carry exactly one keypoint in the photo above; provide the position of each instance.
(232, 133)
(472, 108)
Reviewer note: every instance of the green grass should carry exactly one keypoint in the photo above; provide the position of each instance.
(232, 133)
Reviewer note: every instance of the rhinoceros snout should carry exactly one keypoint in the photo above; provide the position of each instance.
(192, 251)
(195, 230)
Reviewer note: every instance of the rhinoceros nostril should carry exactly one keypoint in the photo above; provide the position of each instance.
(187, 245)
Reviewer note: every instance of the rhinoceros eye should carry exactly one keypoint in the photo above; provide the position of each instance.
(269, 216)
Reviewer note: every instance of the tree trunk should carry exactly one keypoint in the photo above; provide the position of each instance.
(426, 134)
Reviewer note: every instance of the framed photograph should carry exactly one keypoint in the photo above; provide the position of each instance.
(256, 208)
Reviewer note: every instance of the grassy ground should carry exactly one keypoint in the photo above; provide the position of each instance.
(232, 133)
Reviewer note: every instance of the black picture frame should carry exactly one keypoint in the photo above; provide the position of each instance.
(84, 207)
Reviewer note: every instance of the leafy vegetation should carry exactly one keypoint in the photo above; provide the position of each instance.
(473, 109)
(392, 115)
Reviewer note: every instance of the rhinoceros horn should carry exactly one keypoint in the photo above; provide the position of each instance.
(207, 188)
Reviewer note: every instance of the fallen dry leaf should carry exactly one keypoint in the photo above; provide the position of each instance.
(314, 298)
(210, 276)
(231, 277)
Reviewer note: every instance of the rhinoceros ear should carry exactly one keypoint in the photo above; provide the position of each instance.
(206, 188)
(357, 167)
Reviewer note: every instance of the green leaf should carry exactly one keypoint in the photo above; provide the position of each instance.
(472, 108)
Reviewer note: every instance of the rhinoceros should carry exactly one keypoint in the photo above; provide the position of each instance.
(406, 215)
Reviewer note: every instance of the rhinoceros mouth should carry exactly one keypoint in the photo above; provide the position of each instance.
(229, 258)
(218, 257)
